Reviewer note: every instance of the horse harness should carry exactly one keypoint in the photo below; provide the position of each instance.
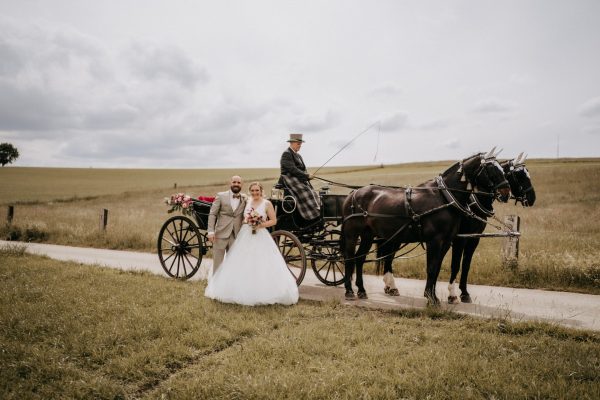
(415, 217)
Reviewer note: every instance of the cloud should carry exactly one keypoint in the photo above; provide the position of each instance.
(591, 129)
(590, 108)
(452, 143)
(394, 121)
(437, 124)
(164, 62)
(521, 80)
(494, 106)
(315, 122)
(386, 90)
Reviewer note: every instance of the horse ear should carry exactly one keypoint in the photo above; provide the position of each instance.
(517, 159)
(499, 151)
(491, 153)
(524, 158)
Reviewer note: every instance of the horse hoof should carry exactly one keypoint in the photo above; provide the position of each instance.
(465, 298)
(362, 295)
(350, 296)
(394, 292)
(453, 300)
(432, 300)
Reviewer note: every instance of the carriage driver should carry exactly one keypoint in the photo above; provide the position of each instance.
(297, 180)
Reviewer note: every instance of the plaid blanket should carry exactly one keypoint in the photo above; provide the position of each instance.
(307, 199)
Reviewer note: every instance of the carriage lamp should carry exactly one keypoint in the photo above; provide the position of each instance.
(324, 190)
(276, 193)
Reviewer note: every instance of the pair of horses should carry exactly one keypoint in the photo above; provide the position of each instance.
(430, 213)
(522, 191)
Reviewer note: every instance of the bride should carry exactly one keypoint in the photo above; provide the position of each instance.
(254, 272)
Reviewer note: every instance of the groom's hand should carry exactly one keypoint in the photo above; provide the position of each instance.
(211, 237)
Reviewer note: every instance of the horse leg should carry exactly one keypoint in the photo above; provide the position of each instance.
(458, 246)
(388, 275)
(436, 250)
(349, 248)
(470, 247)
(366, 240)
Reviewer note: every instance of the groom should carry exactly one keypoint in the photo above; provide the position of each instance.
(225, 220)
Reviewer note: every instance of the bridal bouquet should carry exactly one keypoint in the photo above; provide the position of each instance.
(180, 202)
(254, 219)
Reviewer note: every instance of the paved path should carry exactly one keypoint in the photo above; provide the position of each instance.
(568, 309)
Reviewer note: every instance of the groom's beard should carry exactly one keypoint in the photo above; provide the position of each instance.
(235, 189)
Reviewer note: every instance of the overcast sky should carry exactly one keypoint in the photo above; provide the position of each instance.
(222, 83)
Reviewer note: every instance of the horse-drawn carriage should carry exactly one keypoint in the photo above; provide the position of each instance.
(182, 240)
(430, 214)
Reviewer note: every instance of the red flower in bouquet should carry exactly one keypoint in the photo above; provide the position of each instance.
(254, 219)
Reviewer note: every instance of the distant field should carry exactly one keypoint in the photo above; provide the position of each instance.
(560, 246)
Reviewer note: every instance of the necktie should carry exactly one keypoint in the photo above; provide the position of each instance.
(236, 196)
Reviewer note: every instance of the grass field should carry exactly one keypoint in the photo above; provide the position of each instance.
(560, 246)
(74, 331)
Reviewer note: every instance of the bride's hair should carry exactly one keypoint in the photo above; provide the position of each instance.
(256, 184)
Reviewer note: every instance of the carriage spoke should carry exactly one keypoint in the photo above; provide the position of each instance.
(183, 258)
(178, 264)
(181, 231)
(177, 239)
(168, 241)
(171, 255)
(192, 266)
(327, 274)
(187, 232)
(172, 264)
(171, 234)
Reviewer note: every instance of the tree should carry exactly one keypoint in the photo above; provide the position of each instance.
(8, 153)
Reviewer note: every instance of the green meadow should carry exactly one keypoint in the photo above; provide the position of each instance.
(73, 331)
(559, 247)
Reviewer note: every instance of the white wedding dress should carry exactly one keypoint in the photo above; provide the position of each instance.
(253, 272)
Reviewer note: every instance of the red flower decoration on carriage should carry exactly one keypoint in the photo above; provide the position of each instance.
(180, 202)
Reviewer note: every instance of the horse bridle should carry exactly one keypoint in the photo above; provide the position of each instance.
(521, 196)
(483, 173)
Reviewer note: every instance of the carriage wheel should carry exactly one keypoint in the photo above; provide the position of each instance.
(327, 261)
(180, 247)
(293, 253)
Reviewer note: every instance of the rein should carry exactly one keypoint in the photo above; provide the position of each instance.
(354, 187)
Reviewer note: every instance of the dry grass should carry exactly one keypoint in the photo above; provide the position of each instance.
(74, 331)
(560, 246)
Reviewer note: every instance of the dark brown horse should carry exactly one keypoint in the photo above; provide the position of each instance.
(463, 248)
(429, 213)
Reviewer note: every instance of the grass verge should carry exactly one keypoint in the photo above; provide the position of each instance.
(74, 331)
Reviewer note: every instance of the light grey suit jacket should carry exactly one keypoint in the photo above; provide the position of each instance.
(222, 219)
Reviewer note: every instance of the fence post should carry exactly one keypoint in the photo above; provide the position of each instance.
(175, 185)
(10, 215)
(103, 219)
(510, 249)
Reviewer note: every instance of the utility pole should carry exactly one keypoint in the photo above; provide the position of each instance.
(557, 146)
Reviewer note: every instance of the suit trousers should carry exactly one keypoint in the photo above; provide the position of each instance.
(219, 248)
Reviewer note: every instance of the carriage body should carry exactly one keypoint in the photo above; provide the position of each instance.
(182, 240)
